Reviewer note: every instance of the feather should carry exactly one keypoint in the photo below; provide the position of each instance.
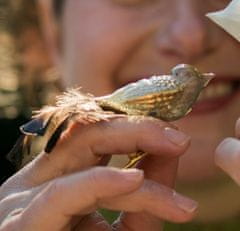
(35, 127)
(16, 154)
(55, 136)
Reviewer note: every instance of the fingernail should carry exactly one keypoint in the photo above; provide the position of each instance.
(185, 203)
(228, 157)
(176, 137)
(227, 153)
(133, 174)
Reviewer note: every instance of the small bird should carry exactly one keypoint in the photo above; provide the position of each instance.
(228, 18)
(166, 97)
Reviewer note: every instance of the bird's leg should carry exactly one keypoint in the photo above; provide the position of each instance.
(134, 158)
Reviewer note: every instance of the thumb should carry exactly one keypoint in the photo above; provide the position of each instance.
(227, 157)
(75, 195)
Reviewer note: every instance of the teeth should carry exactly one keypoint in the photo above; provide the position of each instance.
(216, 90)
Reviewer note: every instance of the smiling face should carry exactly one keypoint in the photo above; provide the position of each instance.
(109, 43)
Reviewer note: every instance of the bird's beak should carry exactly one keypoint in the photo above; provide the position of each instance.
(228, 18)
(207, 78)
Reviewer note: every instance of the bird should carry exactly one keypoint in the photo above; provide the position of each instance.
(165, 97)
(228, 18)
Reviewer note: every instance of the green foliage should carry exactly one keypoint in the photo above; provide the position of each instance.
(110, 216)
(232, 224)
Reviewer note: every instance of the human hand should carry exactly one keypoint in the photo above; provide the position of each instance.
(62, 191)
(228, 155)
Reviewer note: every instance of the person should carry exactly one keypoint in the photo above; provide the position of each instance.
(102, 45)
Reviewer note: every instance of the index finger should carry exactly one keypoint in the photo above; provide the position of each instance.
(82, 146)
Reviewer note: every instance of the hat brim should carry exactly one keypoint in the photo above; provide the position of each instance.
(228, 24)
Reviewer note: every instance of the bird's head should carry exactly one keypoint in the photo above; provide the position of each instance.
(186, 73)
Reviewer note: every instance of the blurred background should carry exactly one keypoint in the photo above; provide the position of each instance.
(27, 79)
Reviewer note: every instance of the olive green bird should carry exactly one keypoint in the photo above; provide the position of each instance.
(166, 97)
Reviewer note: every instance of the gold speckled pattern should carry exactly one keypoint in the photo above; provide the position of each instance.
(167, 97)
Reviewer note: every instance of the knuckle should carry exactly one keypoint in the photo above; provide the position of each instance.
(97, 182)
(103, 178)
(152, 191)
(142, 123)
(54, 191)
(150, 187)
(95, 175)
(150, 124)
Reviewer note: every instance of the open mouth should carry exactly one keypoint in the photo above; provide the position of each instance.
(217, 95)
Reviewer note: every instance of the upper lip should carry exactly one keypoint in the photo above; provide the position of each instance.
(235, 81)
(226, 78)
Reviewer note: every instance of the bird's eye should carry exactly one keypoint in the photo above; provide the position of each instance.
(178, 71)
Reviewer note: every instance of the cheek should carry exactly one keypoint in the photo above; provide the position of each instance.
(94, 46)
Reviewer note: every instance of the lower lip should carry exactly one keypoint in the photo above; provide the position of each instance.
(213, 105)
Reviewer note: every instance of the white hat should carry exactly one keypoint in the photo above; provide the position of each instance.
(229, 18)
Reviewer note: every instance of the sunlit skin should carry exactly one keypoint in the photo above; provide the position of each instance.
(102, 45)
(146, 38)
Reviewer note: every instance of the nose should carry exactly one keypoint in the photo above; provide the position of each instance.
(186, 34)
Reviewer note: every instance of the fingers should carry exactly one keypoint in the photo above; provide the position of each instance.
(163, 171)
(138, 133)
(227, 157)
(155, 199)
(160, 169)
(83, 146)
(78, 194)
(82, 193)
